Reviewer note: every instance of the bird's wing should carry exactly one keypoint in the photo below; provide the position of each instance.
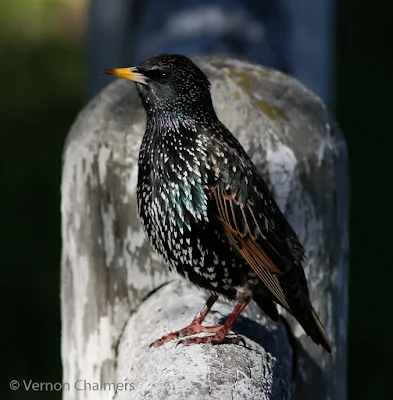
(251, 218)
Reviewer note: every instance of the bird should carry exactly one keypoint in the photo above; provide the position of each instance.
(206, 209)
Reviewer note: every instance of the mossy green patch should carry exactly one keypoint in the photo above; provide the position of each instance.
(273, 112)
(244, 80)
(219, 62)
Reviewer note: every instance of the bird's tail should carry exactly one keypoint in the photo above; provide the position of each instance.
(314, 328)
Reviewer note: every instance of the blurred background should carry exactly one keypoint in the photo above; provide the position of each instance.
(50, 55)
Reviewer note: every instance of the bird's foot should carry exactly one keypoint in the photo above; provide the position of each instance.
(192, 329)
(218, 338)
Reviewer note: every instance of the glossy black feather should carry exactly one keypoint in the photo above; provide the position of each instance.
(203, 205)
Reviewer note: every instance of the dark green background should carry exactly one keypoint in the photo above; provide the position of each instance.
(42, 89)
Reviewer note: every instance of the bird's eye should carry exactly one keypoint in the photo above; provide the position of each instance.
(163, 76)
(158, 75)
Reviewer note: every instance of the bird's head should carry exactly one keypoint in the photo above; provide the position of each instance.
(169, 84)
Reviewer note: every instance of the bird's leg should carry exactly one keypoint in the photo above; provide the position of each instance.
(221, 331)
(194, 327)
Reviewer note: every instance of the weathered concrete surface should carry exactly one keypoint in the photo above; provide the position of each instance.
(108, 268)
(262, 370)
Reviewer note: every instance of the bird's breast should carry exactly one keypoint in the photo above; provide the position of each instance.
(172, 182)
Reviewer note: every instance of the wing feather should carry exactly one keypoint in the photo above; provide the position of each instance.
(255, 226)
(249, 216)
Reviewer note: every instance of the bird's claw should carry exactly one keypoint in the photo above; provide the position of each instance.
(192, 329)
(213, 339)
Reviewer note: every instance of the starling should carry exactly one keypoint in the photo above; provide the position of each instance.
(206, 209)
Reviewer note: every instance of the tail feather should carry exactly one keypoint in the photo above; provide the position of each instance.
(317, 332)
(309, 321)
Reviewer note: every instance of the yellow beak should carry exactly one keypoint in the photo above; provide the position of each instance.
(127, 73)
